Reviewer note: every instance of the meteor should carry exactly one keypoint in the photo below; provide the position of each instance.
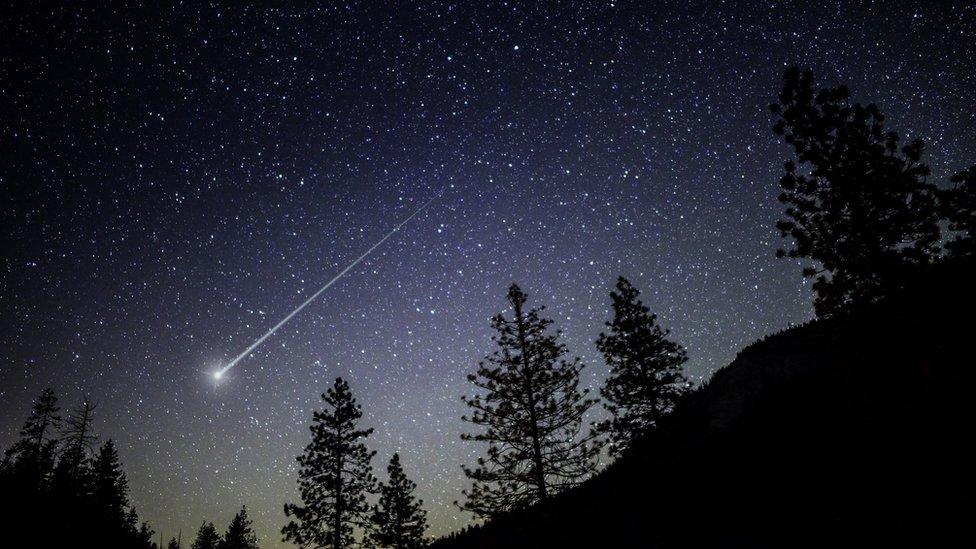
(219, 373)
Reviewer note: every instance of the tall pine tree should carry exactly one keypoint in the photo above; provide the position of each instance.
(110, 493)
(239, 534)
(335, 476)
(532, 412)
(646, 376)
(30, 460)
(78, 437)
(858, 206)
(72, 474)
(207, 537)
(399, 519)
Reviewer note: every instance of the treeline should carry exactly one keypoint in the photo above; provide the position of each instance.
(529, 409)
(239, 535)
(335, 479)
(849, 430)
(62, 489)
(58, 469)
(529, 412)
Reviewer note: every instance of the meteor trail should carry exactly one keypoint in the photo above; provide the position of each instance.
(220, 372)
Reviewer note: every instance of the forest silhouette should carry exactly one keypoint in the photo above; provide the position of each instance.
(849, 430)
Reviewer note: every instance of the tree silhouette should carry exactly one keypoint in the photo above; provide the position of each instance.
(143, 536)
(110, 492)
(239, 534)
(87, 495)
(207, 537)
(173, 544)
(71, 477)
(857, 205)
(646, 378)
(78, 437)
(335, 476)
(31, 459)
(399, 520)
(532, 412)
(959, 207)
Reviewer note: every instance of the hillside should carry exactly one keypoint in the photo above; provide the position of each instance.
(847, 431)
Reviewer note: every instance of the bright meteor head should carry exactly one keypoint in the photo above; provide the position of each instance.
(218, 374)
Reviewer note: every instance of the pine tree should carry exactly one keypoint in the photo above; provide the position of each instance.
(858, 207)
(531, 411)
(173, 544)
(646, 376)
(239, 534)
(87, 496)
(335, 476)
(207, 537)
(399, 520)
(78, 437)
(136, 535)
(110, 493)
(71, 475)
(959, 207)
(142, 539)
(31, 459)
(27, 471)
(130, 525)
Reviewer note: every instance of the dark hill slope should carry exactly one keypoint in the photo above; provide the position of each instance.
(849, 431)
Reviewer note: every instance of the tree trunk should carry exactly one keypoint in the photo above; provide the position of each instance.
(540, 475)
(337, 521)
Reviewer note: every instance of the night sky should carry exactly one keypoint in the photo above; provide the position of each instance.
(175, 181)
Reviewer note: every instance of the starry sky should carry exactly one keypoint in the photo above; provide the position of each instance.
(175, 180)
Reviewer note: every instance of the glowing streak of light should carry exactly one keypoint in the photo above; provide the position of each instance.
(220, 373)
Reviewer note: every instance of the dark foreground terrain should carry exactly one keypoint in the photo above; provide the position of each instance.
(850, 431)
